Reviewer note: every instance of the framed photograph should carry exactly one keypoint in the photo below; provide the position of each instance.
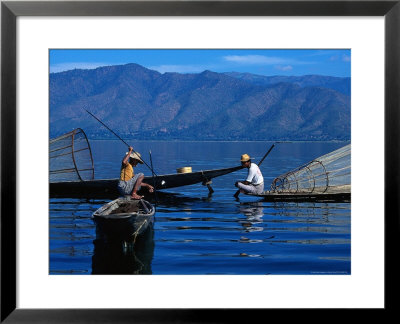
(211, 252)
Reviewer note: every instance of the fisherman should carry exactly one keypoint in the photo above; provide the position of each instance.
(129, 182)
(254, 182)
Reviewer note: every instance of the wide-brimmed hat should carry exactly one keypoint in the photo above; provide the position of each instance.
(245, 158)
(136, 156)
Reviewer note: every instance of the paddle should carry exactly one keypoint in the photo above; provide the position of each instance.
(151, 169)
(154, 181)
(259, 163)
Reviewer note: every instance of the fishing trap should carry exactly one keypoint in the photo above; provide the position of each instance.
(70, 157)
(330, 173)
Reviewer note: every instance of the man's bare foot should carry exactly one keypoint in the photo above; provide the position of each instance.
(136, 196)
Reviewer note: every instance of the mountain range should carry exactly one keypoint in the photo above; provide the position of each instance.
(137, 102)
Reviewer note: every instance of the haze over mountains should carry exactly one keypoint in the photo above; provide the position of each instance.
(140, 103)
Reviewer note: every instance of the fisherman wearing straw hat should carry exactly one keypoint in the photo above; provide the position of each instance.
(129, 182)
(254, 182)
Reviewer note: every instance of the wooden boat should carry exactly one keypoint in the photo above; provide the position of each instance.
(108, 187)
(271, 196)
(123, 218)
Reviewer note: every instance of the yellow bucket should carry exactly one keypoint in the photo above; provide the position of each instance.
(184, 170)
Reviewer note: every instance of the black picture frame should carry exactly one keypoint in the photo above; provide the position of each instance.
(10, 10)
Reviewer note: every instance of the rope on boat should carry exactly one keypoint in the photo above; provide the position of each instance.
(143, 223)
(138, 230)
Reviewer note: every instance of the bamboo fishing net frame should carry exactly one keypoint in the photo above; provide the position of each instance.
(70, 157)
(330, 173)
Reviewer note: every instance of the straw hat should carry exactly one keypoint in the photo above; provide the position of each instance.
(245, 158)
(136, 156)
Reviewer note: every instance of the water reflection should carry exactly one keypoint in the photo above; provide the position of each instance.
(254, 213)
(331, 215)
(124, 256)
(202, 234)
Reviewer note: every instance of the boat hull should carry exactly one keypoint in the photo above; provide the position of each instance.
(109, 187)
(304, 197)
(114, 225)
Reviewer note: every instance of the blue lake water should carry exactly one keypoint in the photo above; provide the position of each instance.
(195, 233)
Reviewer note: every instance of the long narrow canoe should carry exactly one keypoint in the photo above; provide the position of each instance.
(107, 187)
(304, 196)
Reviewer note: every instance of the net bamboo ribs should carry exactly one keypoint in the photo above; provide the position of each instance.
(330, 173)
(70, 158)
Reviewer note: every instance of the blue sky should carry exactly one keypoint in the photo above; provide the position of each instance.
(331, 62)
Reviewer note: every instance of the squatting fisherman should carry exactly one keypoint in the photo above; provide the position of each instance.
(254, 182)
(129, 182)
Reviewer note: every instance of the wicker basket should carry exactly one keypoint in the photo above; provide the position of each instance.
(184, 170)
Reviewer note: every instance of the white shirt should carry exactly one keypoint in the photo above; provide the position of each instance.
(254, 176)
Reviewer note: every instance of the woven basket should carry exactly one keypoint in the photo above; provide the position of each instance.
(184, 170)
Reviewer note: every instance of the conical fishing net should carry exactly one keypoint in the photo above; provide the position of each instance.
(330, 173)
(71, 157)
